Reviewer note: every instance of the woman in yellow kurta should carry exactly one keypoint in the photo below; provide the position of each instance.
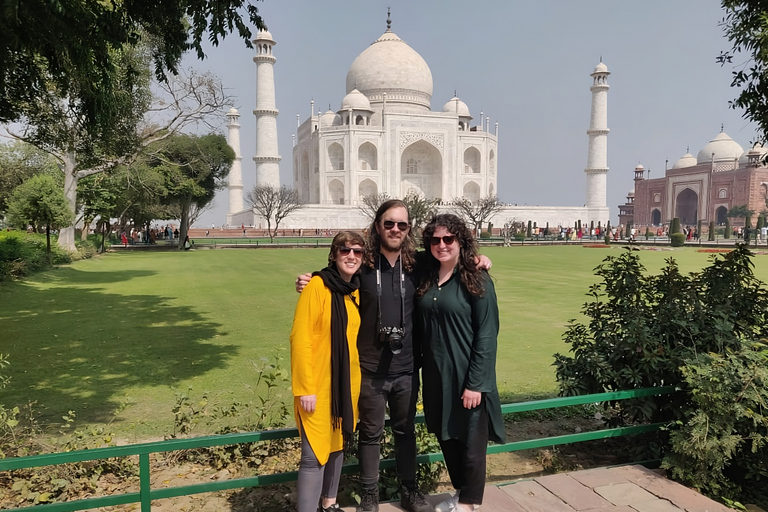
(325, 371)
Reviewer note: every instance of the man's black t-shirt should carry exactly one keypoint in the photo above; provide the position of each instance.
(376, 356)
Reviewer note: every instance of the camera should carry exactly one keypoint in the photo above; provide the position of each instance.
(393, 336)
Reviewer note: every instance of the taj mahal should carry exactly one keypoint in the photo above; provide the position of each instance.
(384, 138)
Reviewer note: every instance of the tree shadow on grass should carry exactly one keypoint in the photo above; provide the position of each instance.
(79, 347)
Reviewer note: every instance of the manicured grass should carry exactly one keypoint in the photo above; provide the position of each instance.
(126, 332)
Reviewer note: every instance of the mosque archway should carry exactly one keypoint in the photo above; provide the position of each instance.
(472, 191)
(368, 188)
(305, 177)
(721, 214)
(336, 156)
(686, 207)
(492, 163)
(471, 160)
(336, 191)
(421, 168)
(366, 155)
(656, 217)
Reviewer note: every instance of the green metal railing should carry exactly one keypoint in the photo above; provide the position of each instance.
(146, 494)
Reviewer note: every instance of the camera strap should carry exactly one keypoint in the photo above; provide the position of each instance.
(402, 291)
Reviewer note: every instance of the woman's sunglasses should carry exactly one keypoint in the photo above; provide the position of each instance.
(389, 224)
(447, 239)
(344, 251)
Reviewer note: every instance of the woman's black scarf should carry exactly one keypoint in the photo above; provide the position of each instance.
(341, 390)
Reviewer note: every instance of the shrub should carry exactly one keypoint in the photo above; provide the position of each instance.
(699, 332)
(675, 225)
(22, 253)
(485, 235)
(720, 447)
(677, 239)
(641, 329)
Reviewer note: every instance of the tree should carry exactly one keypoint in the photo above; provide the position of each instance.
(370, 204)
(194, 168)
(185, 99)
(39, 202)
(740, 212)
(420, 210)
(745, 27)
(18, 163)
(71, 45)
(477, 212)
(274, 203)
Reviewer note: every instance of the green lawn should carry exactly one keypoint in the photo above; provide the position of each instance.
(126, 332)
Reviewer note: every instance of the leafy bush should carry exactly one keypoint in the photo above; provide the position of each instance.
(642, 329)
(22, 253)
(699, 332)
(677, 239)
(674, 226)
(485, 235)
(720, 447)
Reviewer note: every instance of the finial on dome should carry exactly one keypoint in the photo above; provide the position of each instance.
(454, 94)
(722, 127)
(389, 21)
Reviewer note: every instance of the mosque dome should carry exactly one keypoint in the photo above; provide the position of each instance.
(390, 66)
(356, 101)
(724, 148)
(328, 118)
(757, 153)
(233, 112)
(601, 68)
(687, 160)
(631, 193)
(455, 105)
(264, 35)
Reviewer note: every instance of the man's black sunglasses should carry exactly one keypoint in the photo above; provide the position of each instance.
(388, 224)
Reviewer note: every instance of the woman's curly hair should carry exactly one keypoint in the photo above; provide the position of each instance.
(471, 277)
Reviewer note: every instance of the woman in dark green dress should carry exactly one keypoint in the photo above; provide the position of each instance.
(457, 321)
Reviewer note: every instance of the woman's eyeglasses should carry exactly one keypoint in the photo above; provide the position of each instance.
(344, 251)
(389, 224)
(447, 239)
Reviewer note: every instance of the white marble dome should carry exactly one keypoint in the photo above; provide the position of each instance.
(356, 101)
(725, 149)
(687, 160)
(757, 151)
(264, 35)
(455, 105)
(601, 68)
(390, 66)
(329, 118)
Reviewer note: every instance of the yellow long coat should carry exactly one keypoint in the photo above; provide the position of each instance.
(311, 365)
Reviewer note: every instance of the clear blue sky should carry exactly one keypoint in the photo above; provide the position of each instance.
(524, 64)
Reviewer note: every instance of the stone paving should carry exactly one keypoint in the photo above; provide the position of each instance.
(619, 489)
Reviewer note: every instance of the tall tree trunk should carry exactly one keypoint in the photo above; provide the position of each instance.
(184, 224)
(67, 235)
(48, 242)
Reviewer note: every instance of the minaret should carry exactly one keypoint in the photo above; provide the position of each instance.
(267, 158)
(597, 159)
(235, 185)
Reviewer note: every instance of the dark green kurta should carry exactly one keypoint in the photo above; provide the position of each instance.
(458, 334)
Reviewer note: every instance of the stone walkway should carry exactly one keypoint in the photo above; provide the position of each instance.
(619, 489)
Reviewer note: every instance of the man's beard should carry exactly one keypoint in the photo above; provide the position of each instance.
(387, 243)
